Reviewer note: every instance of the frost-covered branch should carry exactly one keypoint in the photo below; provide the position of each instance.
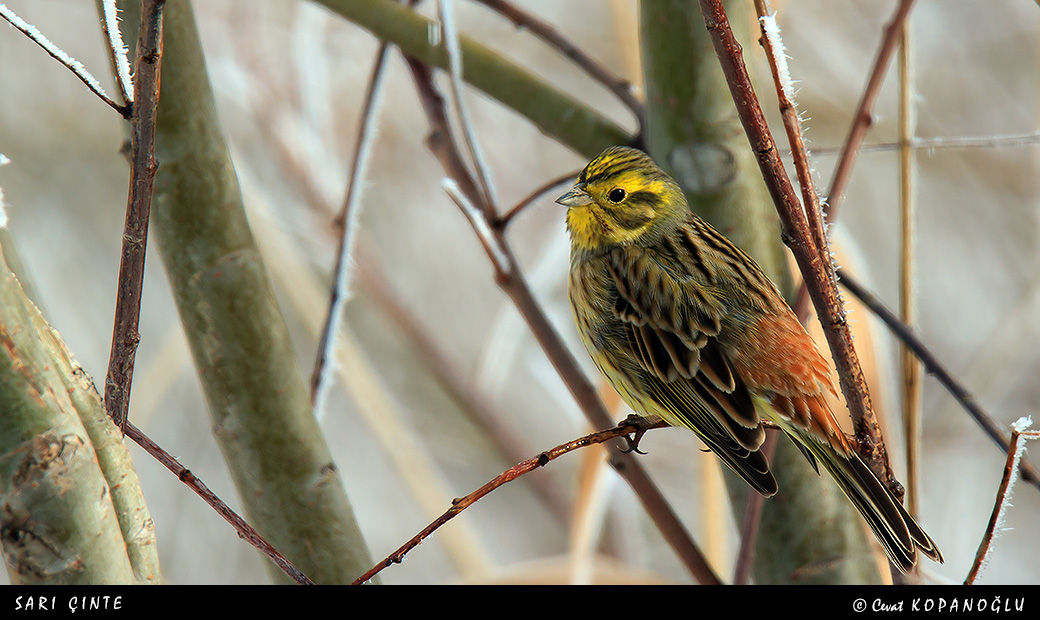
(58, 54)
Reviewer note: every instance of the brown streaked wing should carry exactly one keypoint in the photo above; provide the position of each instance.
(672, 337)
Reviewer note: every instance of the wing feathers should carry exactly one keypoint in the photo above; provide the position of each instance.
(673, 341)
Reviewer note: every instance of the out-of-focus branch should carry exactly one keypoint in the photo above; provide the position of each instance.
(928, 146)
(749, 525)
(557, 113)
(863, 117)
(509, 475)
(446, 12)
(148, 64)
(505, 219)
(476, 405)
(375, 406)
(545, 31)
(936, 369)
(348, 224)
(510, 280)
(911, 368)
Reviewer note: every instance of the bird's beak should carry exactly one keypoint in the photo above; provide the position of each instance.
(576, 197)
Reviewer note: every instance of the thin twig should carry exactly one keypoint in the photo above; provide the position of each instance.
(545, 188)
(777, 57)
(117, 49)
(143, 165)
(865, 111)
(245, 531)
(545, 31)
(822, 288)
(1019, 436)
(514, 472)
(584, 393)
(480, 225)
(446, 12)
(347, 220)
(935, 368)
(911, 368)
(58, 54)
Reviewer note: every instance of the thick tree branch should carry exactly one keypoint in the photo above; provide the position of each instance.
(545, 31)
(552, 110)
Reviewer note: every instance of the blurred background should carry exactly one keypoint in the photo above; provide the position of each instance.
(290, 79)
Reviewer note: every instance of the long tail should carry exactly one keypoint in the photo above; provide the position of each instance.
(897, 531)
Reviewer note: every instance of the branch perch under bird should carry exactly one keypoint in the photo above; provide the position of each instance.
(514, 472)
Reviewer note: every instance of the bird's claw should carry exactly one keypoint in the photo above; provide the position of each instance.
(642, 426)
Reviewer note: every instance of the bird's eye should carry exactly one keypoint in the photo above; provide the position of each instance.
(616, 195)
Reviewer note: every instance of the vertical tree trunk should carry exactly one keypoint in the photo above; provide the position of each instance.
(261, 410)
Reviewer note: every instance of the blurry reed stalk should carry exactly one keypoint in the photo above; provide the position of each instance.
(911, 368)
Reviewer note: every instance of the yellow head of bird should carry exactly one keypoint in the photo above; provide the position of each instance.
(621, 198)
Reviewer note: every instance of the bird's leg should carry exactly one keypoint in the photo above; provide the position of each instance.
(642, 425)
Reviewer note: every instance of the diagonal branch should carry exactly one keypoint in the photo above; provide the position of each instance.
(863, 118)
(545, 31)
(514, 472)
(245, 532)
(446, 12)
(474, 403)
(777, 58)
(1019, 436)
(117, 49)
(55, 52)
(936, 369)
(814, 266)
(749, 526)
(552, 110)
(504, 220)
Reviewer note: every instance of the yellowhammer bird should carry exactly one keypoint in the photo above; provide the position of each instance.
(688, 329)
